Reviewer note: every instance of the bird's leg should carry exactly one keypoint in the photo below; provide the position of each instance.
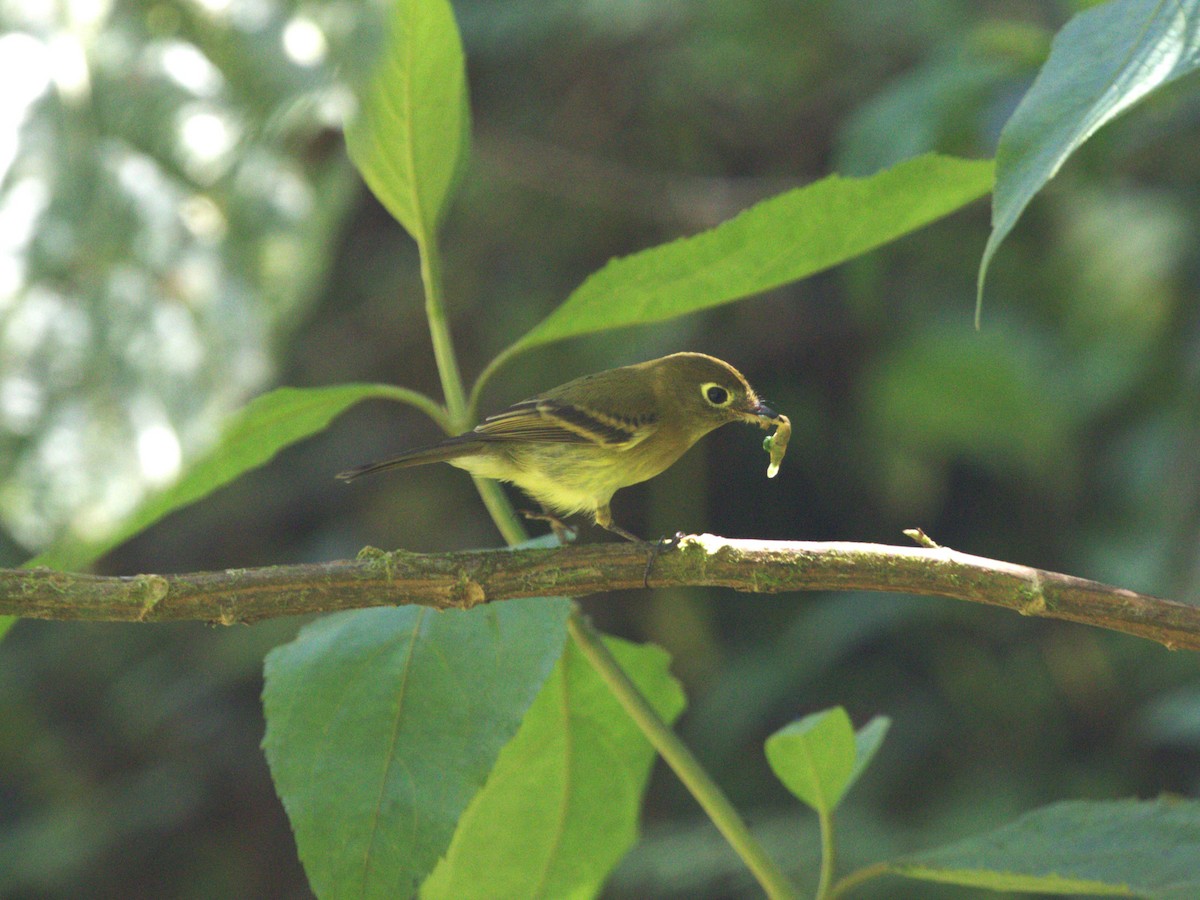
(667, 541)
(604, 519)
(562, 531)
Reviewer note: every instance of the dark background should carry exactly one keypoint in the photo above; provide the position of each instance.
(177, 238)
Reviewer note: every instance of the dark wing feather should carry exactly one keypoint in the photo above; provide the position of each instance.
(546, 420)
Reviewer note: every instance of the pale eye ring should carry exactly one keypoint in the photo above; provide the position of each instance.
(716, 395)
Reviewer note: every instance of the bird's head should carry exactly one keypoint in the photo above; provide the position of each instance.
(707, 392)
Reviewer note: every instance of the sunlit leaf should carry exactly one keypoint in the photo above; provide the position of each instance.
(777, 241)
(410, 134)
(1126, 848)
(1103, 62)
(382, 724)
(573, 777)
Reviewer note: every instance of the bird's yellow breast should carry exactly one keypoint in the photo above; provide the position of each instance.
(572, 478)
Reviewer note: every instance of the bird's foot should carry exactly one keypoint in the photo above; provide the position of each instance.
(666, 542)
(564, 532)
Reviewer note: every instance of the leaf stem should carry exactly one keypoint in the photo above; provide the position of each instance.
(854, 879)
(825, 820)
(419, 401)
(680, 759)
(457, 415)
(501, 511)
(488, 371)
(439, 333)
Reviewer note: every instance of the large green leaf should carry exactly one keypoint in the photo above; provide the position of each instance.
(572, 778)
(1103, 62)
(1126, 848)
(777, 241)
(264, 427)
(382, 724)
(412, 127)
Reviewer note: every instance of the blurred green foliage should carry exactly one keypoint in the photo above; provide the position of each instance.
(180, 228)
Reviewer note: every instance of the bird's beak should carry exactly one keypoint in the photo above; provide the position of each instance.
(761, 415)
(765, 412)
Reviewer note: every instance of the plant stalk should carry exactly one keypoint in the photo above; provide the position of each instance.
(828, 854)
(485, 376)
(458, 414)
(501, 511)
(854, 879)
(422, 403)
(439, 333)
(681, 760)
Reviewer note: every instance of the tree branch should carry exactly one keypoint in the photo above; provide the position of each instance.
(465, 579)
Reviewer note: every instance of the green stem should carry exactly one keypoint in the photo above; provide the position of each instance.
(825, 819)
(854, 879)
(484, 376)
(501, 511)
(681, 760)
(457, 416)
(420, 401)
(439, 333)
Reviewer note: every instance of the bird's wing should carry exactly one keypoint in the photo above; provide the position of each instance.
(550, 421)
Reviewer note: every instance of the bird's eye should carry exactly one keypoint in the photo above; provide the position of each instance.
(715, 394)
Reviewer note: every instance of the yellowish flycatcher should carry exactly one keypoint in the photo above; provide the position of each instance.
(574, 446)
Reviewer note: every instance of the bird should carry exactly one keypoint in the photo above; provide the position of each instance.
(572, 447)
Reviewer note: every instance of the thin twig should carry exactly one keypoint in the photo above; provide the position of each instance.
(469, 578)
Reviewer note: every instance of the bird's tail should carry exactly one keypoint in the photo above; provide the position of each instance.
(446, 450)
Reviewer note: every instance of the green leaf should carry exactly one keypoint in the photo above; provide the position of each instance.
(411, 132)
(573, 777)
(264, 427)
(382, 724)
(777, 241)
(1126, 848)
(1103, 62)
(815, 757)
(867, 741)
